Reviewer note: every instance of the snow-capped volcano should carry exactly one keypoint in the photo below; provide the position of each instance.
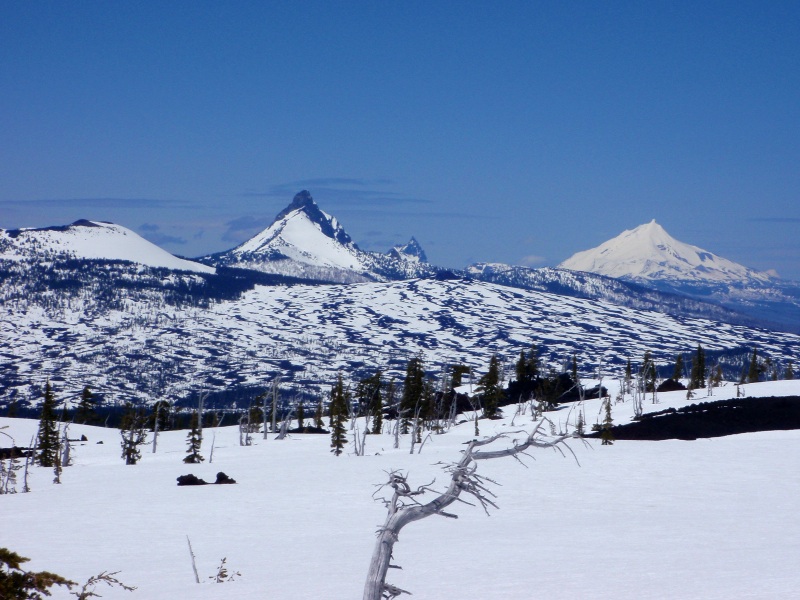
(303, 241)
(649, 253)
(89, 240)
(308, 243)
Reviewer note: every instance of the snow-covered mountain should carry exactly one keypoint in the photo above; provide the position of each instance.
(649, 256)
(89, 240)
(305, 242)
(649, 253)
(410, 251)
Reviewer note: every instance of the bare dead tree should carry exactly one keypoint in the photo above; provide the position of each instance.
(405, 507)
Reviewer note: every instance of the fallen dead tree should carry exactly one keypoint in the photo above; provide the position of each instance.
(405, 504)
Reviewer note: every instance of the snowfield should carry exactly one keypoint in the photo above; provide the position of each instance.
(706, 519)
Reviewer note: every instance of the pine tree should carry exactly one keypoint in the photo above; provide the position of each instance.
(575, 368)
(376, 403)
(789, 372)
(752, 372)
(194, 440)
(519, 368)
(491, 391)
(412, 392)
(606, 434)
(531, 367)
(697, 379)
(338, 410)
(301, 416)
(15, 583)
(458, 375)
(677, 372)
(86, 406)
(716, 377)
(48, 430)
(318, 422)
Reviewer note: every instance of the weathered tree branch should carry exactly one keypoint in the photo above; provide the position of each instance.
(404, 507)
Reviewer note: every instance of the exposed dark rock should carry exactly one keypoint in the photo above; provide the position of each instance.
(222, 478)
(670, 385)
(714, 419)
(190, 480)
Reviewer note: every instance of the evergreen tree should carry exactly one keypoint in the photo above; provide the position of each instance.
(789, 372)
(458, 375)
(17, 584)
(48, 430)
(412, 392)
(338, 409)
(301, 416)
(697, 379)
(86, 406)
(716, 377)
(318, 422)
(606, 434)
(194, 440)
(532, 367)
(575, 367)
(376, 403)
(753, 371)
(519, 368)
(133, 432)
(677, 372)
(490, 388)
(161, 413)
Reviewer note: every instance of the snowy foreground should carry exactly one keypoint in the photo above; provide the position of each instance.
(704, 519)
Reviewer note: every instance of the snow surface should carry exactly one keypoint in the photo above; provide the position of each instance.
(648, 252)
(91, 240)
(710, 519)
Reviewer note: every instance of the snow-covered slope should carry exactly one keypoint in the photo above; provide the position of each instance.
(306, 242)
(701, 520)
(648, 252)
(89, 240)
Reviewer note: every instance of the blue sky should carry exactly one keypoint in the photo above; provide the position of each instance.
(517, 132)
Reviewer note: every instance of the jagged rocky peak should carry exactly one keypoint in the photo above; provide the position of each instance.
(412, 250)
(648, 252)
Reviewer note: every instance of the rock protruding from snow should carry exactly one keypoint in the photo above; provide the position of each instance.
(90, 240)
(648, 252)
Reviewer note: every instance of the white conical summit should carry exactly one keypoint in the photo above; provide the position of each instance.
(648, 252)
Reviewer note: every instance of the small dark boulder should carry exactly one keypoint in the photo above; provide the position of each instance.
(192, 480)
(222, 478)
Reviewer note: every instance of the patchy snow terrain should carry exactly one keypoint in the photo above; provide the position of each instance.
(707, 519)
(306, 334)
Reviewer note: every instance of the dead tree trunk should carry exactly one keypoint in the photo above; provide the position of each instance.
(403, 507)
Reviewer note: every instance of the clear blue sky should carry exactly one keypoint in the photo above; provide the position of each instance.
(516, 132)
